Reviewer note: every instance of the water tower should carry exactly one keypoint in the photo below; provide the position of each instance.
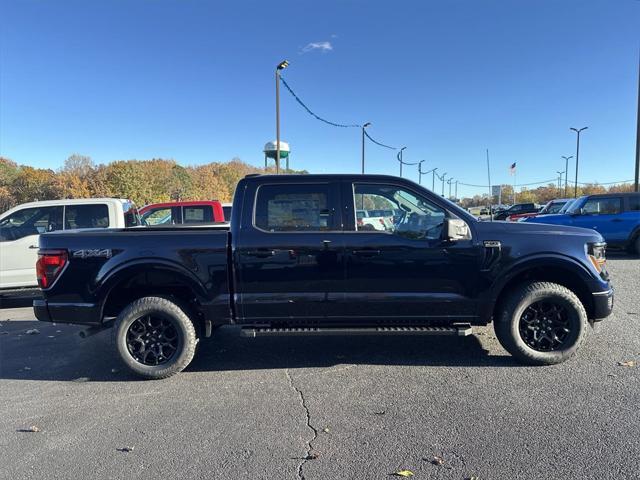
(270, 151)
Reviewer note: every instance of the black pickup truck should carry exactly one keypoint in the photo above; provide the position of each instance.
(297, 260)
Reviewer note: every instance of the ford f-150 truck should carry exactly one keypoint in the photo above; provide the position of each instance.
(295, 261)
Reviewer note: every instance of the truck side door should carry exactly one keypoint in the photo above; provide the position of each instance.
(19, 243)
(406, 272)
(603, 214)
(288, 253)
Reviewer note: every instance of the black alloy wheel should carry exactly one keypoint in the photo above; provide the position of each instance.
(152, 340)
(545, 326)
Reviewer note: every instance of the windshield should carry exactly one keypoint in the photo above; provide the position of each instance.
(553, 207)
(575, 205)
(566, 206)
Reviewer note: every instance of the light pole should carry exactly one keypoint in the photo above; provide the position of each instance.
(281, 66)
(442, 178)
(433, 179)
(368, 124)
(577, 130)
(566, 172)
(559, 181)
(456, 197)
(400, 159)
(420, 172)
(449, 182)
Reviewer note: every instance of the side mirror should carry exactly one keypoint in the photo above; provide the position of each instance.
(456, 229)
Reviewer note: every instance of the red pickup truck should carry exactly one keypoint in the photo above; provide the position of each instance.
(177, 213)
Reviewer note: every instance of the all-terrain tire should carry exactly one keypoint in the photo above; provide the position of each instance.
(508, 322)
(182, 332)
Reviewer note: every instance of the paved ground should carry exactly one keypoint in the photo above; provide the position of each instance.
(365, 406)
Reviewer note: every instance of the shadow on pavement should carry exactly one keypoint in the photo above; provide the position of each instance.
(57, 353)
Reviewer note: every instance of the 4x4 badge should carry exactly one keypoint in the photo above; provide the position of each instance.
(92, 253)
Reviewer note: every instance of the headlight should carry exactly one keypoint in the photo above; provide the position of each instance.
(596, 252)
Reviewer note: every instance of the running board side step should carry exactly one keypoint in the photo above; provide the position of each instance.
(459, 329)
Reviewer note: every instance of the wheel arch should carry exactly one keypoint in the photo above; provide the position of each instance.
(142, 278)
(555, 269)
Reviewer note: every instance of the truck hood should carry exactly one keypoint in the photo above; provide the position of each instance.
(553, 218)
(495, 229)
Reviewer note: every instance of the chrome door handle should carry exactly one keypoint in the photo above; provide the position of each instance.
(33, 246)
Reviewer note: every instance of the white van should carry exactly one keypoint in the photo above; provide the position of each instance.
(20, 227)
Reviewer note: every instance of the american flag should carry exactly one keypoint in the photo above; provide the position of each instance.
(512, 168)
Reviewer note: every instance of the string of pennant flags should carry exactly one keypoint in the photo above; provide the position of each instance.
(512, 167)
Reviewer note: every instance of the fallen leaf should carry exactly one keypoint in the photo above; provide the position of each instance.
(628, 363)
(32, 331)
(472, 478)
(404, 473)
(381, 412)
(325, 430)
(125, 449)
(437, 460)
(312, 456)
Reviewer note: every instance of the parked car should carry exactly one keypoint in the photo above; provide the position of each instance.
(176, 213)
(518, 208)
(21, 226)
(616, 216)
(294, 261)
(554, 206)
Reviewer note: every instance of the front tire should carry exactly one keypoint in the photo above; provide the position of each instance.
(154, 338)
(541, 323)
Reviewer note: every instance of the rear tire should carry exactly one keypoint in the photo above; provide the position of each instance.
(154, 338)
(541, 323)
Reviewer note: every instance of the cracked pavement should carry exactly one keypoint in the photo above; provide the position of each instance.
(365, 406)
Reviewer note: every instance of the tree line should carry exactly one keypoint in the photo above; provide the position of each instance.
(143, 181)
(543, 194)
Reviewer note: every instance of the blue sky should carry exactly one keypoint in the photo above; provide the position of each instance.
(193, 81)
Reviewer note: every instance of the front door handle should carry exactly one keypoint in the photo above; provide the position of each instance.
(33, 246)
(366, 253)
(260, 253)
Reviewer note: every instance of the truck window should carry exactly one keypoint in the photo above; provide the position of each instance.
(86, 216)
(201, 214)
(291, 208)
(634, 203)
(602, 206)
(158, 216)
(400, 212)
(30, 221)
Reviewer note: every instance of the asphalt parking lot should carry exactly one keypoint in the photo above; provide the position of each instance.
(323, 408)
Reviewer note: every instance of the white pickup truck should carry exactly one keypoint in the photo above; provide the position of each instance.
(21, 226)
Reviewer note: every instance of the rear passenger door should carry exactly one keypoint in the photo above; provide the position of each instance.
(289, 253)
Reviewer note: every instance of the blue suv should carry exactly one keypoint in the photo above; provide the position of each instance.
(616, 216)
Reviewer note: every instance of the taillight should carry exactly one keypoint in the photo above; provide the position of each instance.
(49, 265)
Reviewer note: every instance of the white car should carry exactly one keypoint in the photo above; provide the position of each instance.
(21, 226)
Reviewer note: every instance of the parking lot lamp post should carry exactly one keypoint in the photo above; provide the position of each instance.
(577, 130)
(566, 172)
(368, 124)
(442, 178)
(281, 66)
(449, 182)
(420, 172)
(433, 179)
(456, 197)
(559, 182)
(400, 159)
